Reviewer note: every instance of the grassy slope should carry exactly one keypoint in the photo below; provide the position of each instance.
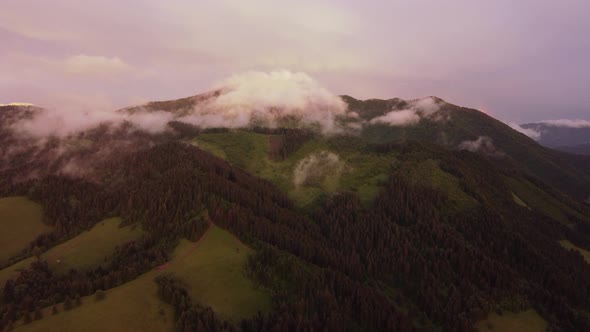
(519, 201)
(429, 173)
(215, 276)
(85, 251)
(20, 221)
(362, 171)
(536, 198)
(526, 321)
(568, 245)
(134, 306)
(568, 173)
(213, 271)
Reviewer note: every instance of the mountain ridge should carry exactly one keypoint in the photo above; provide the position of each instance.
(429, 221)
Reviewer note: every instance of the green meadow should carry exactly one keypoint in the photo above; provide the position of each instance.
(525, 321)
(212, 269)
(21, 222)
(568, 245)
(85, 251)
(356, 170)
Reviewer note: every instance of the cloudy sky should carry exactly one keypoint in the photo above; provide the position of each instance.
(518, 60)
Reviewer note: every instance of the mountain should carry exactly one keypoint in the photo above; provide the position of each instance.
(564, 135)
(381, 215)
(458, 124)
(561, 133)
(583, 149)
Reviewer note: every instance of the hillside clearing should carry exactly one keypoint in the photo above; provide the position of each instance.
(568, 245)
(525, 321)
(85, 251)
(212, 268)
(133, 306)
(21, 222)
(537, 198)
(357, 170)
(214, 274)
(429, 173)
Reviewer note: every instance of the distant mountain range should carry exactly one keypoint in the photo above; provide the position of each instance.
(565, 135)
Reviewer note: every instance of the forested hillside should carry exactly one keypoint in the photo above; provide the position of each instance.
(405, 231)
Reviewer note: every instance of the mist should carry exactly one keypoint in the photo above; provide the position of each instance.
(567, 123)
(483, 144)
(74, 138)
(264, 99)
(272, 99)
(313, 169)
(424, 108)
(534, 134)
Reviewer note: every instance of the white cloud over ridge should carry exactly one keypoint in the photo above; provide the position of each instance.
(269, 97)
(266, 99)
(567, 123)
(534, 134)
(483, 144)
(416, 110)
(397, 118)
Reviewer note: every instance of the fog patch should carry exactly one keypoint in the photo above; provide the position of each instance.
(567, 123)
(483, 144)
(273, 99)
(424, 108)
(313, 169)
(534, 134)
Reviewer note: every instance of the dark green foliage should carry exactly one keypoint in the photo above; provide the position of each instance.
(289, 140)
(407, 262)
(569, 173)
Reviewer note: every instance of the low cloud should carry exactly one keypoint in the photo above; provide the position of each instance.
(54, 123)
(75, 135)
(534, 134)
(483, 144)
(270, 100)
(313, 169)
(273, 99)
(397, 118)
(416, 110)
(567, 123)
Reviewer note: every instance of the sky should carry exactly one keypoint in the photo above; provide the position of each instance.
(519, 61)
